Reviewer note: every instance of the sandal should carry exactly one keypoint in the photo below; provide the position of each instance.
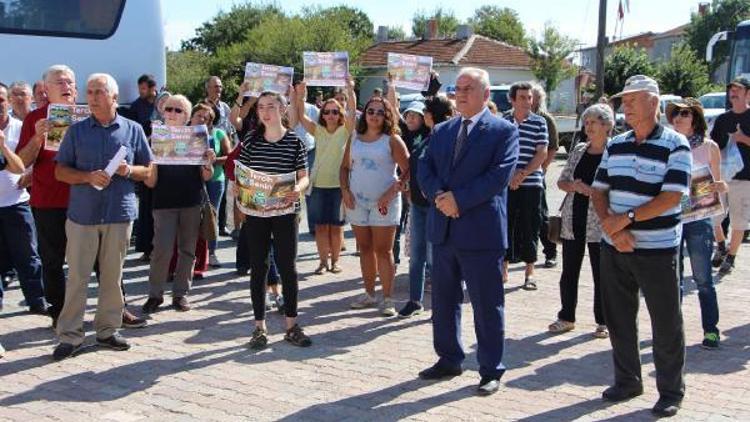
(322, 268)
(561, 326)
(529, 284)
(335, 268)
(601, 331)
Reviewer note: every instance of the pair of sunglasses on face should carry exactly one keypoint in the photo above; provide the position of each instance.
(173, 109)
(373, 112)
(682, 112)
(332, 111)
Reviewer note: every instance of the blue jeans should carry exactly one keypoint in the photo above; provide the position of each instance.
(18, 230)
(420, 251)
(215, 190)
(698, 236)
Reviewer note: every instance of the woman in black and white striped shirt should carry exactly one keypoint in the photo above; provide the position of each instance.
(274, 149)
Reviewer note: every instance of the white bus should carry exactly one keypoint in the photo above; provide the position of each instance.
(124, 38)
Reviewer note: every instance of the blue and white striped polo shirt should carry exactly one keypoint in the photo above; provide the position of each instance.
(532, 133)
(634, 174)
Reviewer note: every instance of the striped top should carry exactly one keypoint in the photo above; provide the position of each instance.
(634, 174)
(532, 133)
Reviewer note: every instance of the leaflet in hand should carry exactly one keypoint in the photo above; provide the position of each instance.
(261, 194)
(702, 202)
(179, 145)
(62, 116)
(326, 69)
(114, 163)
(410, 72)
(267, 77)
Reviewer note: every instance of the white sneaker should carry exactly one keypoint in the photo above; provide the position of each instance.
(213, 261)
(364, 301)
(387, 308)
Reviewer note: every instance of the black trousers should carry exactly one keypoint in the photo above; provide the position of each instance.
(50, 233)
(400, 229)
(624, 275)
(223, 207)
(572, 254)
(144, 226)
(549, 248)
(284, 230)
(524, 223)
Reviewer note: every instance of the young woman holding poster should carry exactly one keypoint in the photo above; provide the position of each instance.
(274, 149)
(333, 128)
(371, 192)
(177, 199)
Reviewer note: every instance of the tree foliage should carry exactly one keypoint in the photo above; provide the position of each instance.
(499, 23)
(227, 28)
(624, 62)
(447, 22)
(683, 74)
(549, 57)
(723, 16)
(396, 33)
(186, 73)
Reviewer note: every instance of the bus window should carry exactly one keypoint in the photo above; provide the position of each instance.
(96, 19)
(741, 62)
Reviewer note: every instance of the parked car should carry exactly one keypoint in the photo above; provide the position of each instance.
(714, 104)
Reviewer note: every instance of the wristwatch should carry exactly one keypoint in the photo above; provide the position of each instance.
(631, 216)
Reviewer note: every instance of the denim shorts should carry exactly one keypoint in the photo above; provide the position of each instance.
(324, 207)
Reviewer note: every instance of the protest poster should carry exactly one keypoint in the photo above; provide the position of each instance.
(326, 69)
(410, 72)
(62, 116)
(263, 195)
(267, 77)
(179, 145)
(702, 202)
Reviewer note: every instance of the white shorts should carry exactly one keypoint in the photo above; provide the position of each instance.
(739, 204)
(363, 215)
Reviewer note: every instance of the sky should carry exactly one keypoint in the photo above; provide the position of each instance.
(575, 18)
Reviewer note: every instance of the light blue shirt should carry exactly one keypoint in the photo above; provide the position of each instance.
(313, 113)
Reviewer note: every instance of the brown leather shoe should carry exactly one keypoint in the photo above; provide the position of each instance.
(131, 321)
(181, 304)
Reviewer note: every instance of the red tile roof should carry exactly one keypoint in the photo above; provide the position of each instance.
(476, 50)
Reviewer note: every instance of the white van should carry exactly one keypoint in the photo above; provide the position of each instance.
(124, 38)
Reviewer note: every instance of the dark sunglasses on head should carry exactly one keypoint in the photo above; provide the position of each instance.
(372, 112)
(175, 109)
(331, 111)
(682, 112)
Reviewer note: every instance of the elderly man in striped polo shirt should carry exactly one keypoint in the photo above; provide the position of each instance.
(637, 190)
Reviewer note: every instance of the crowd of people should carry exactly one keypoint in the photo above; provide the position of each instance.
(465, 185)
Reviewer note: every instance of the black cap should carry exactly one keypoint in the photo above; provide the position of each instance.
(740, 81)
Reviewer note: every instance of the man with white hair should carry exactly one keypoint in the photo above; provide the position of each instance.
(101, 212)
(638, 187)
(464, 173)
(20, 100)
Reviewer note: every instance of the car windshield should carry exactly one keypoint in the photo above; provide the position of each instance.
(713, 101)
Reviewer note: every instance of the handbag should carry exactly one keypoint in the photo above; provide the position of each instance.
(554, 226)
(209, 221)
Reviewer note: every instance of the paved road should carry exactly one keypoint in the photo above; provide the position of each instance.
(196, 366)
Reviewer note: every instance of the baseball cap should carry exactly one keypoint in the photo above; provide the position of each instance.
(415, 107)
(740, 81)
(638, 83)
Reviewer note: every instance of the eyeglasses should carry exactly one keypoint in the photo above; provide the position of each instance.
(373, 112)
(332, 111)
(173, 109)
(683, 112)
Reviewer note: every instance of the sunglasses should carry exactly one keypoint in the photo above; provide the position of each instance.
(173, 109)
(684, 112)
(332, 111)
(373, 112)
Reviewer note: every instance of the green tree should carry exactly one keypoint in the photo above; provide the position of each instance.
(359, 24)
(683, 74)
(447, 22)
(622, 63)
(396, 33)
(549, 57)
(723, 16)
(227, 28)
(499, 23)
(186, 73)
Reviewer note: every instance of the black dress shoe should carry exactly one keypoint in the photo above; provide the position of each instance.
(437, 372)
(620, 392)
(666, 407)
(488, 386)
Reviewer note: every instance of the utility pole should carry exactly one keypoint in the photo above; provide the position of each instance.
(600, 46)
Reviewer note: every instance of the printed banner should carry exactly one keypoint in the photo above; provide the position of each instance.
(702, 203)
(267, 77)
(179, 145)
(410, 72)
(62, 116)
(261, 194)
(326, 69)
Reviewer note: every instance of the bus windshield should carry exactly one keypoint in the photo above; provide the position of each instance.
(97, 19)
(741, 57)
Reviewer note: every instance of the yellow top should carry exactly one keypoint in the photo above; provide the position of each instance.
(329, 151)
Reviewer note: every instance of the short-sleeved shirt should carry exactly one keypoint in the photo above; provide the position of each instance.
(725, 125)
(328, 156)
(635, 174)
(10, 194)
(312, 113)
(215, 142)
(532, 134)
(89, 146)
(47, 191)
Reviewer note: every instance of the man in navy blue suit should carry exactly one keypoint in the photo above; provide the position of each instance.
(465, 173)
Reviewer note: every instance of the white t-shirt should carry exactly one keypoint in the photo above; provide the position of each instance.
(313, 113)
(10, 194)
